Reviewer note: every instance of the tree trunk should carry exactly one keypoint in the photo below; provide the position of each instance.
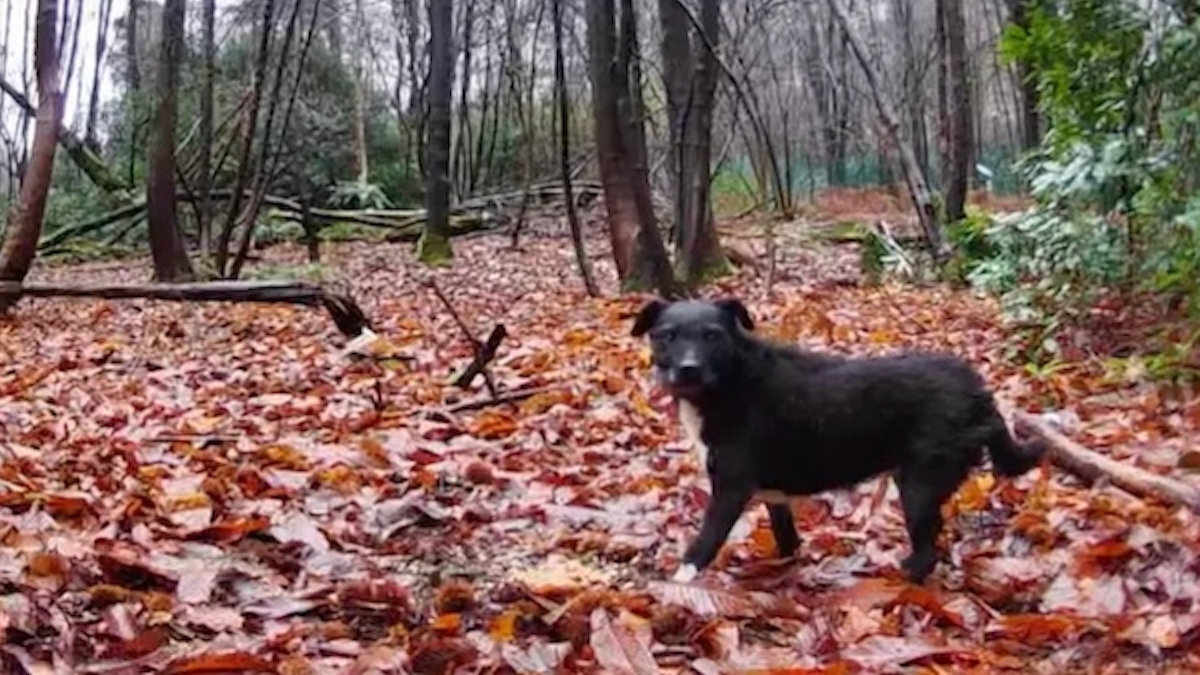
(960, 137)
(25, 219)
(204, 225)
(564, 154)
(917, 183)
(637, 249)
(93, 111)
(361, 154)
(1031, 123)
(134, 75)
(166, 243)
(434, 246)
(619, 199)
(689, 77)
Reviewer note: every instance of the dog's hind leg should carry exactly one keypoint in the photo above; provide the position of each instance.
(724, 508)
(783, 528)
(923, 489)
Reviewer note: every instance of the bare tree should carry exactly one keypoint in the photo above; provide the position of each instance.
(24, 223)
(171, 263)
(918, 183)
(204, 224)
(93, 111)
(132, 56)
(960, 137)
(638, 250)
(564, 150)
(434, 245)
(690, 79)
(249, 125)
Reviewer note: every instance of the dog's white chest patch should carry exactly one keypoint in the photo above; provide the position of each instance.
(693, 424)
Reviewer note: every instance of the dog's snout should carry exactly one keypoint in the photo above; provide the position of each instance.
(688, 373)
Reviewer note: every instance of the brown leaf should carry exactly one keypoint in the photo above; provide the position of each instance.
(726, 603)
(219, 663)
(623, 646)
(539, 657)
(886, 652)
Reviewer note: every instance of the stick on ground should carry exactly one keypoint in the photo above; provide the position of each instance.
(1091, 466)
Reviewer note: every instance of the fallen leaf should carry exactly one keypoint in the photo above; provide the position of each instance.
(622, 646)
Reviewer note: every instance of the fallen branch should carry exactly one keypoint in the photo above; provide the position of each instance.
(1092, 466)
(482, 358)
(515, 396)
(476, 346)
(346, 314)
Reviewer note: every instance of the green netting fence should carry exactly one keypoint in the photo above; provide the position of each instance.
(865, 170)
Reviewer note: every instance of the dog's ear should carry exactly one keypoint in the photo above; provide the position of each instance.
(736, 311)
(647, 317)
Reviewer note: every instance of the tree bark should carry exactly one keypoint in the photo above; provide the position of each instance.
(1031, 122)
(93, 111)
(434, 245)
(361, 154)
(171, 263)
(690, 79)
(564, 154)
(25, 219)
(637, 248)
(204, 225)
(960, 136)
(917, 183)
(134, 75)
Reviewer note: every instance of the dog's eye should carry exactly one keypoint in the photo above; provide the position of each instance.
(666, 336)
(712, 335)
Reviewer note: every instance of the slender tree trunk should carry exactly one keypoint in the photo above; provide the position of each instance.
(690, 79)
(702, 257)
(564, 154)
(637, 248)
(249, 127)
(131, 46)
(960, 139)
(361, 154)
(25, 218)
(434, 245)
(1031, 123)
(917, 182)
(171, 263)
(204, 224)
(93, 111)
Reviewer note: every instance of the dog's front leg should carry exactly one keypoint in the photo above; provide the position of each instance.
(783, 528)
(723, 510)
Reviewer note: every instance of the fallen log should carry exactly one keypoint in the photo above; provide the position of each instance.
(1092, 466)
(345, 312)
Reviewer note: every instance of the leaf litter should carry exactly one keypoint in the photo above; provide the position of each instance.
(243, 496)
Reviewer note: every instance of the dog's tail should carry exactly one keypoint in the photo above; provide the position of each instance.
(1010, 457)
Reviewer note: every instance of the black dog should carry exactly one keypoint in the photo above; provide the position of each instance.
(773, 421)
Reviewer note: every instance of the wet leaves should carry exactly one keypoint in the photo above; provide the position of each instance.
(248, 498)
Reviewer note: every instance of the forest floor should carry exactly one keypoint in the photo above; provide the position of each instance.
(214, 488)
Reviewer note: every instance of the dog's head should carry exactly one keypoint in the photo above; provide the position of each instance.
(694, 343)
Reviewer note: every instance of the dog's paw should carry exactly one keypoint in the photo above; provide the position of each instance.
(685, 574)
(918, 567)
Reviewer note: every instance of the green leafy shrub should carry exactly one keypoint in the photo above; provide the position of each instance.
(1113, 178)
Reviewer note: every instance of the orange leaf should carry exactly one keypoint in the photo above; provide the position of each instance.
(448, 623)
(504, 627)
(220, 663)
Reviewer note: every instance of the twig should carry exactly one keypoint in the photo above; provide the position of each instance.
(507, 397)
(476, 347)
(482, 358)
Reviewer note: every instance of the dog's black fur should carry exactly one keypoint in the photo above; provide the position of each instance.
(780, 421)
